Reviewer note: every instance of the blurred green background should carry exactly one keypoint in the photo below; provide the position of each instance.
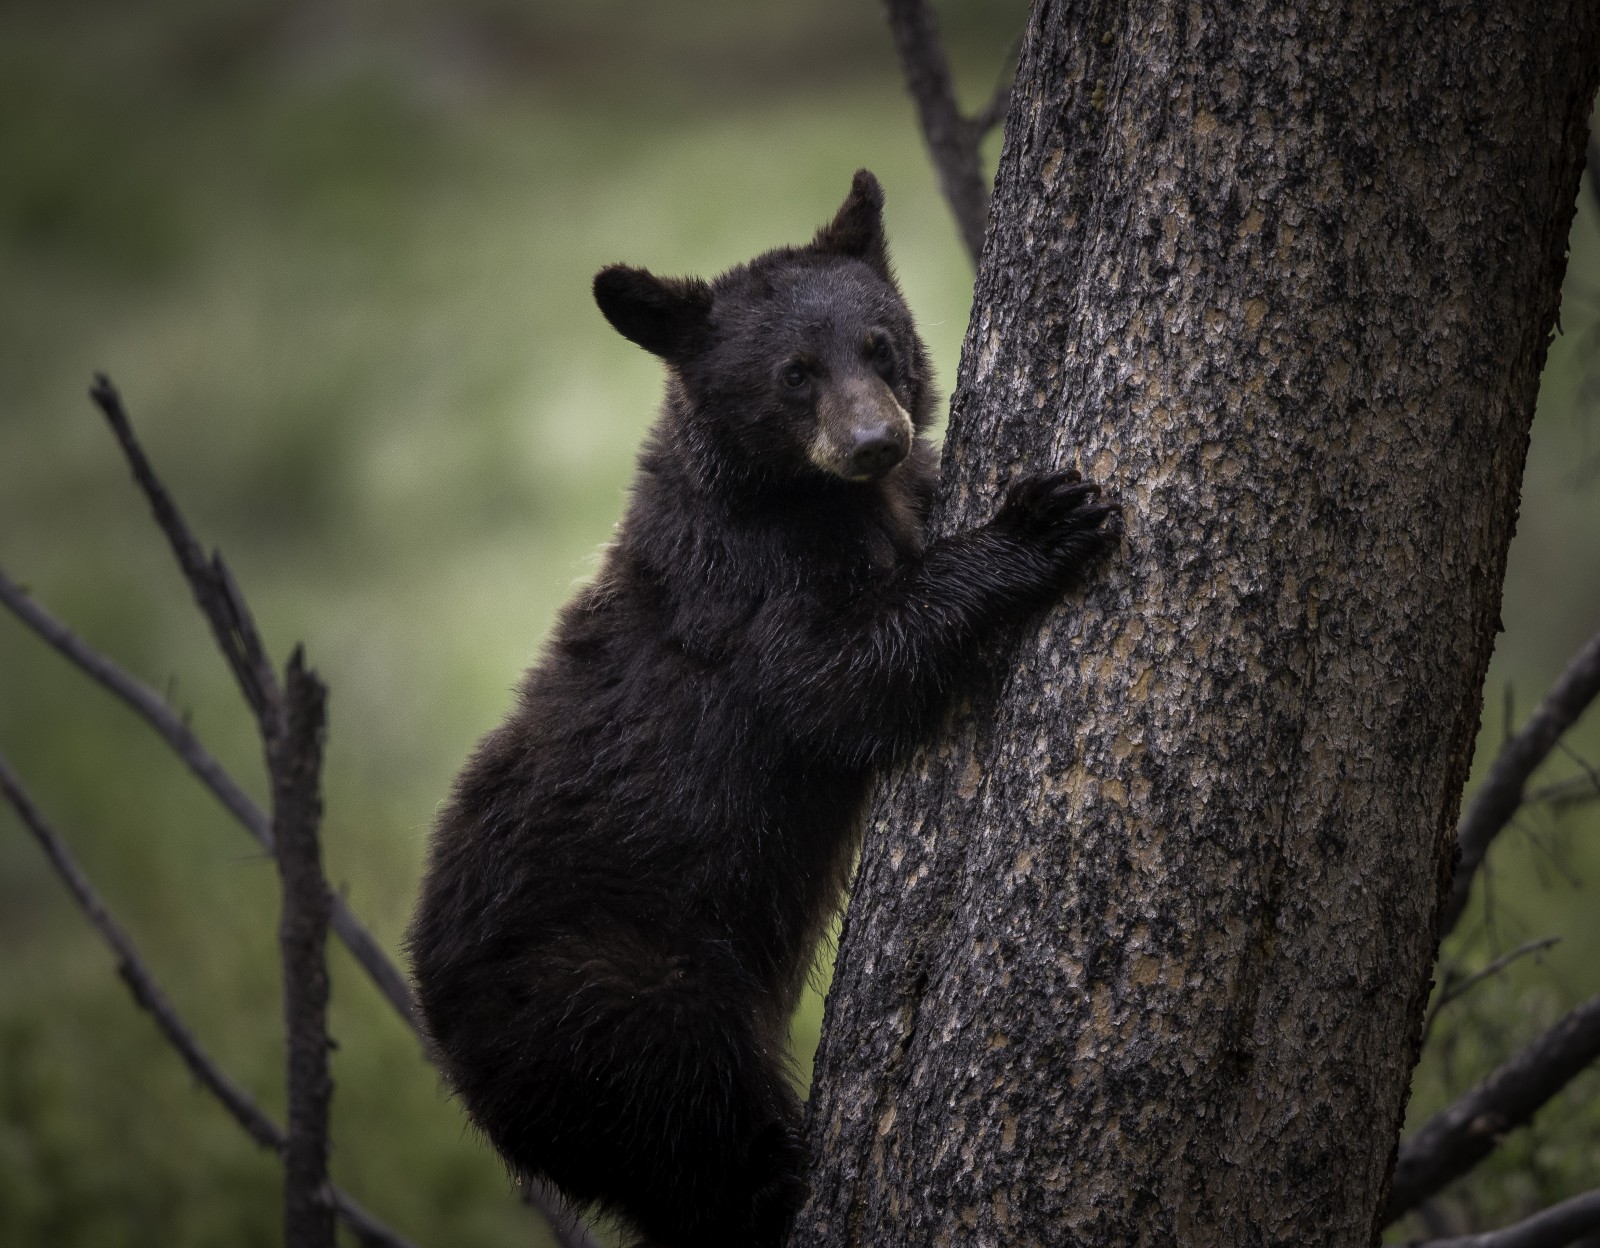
(337, 257)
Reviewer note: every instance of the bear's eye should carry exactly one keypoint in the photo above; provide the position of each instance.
(880, 352)
(794, 376)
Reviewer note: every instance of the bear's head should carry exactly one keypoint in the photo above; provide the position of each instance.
(803, 363)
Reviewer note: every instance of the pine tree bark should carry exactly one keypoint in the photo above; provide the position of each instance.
(1138, 951)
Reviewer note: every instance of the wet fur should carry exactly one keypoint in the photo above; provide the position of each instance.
(626, 888)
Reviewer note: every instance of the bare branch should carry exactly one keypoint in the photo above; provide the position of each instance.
(369, 1232)
(1590, 771)
(295, 759)
(132, 968)
(1555, 1227)
(1459, 988)
(994, 112)
(1572, 791)
(380, 968)
(209, 579)
(150, 997)
(225, 610)
(952, 139)
(1497, 800)
(1456, 1139)
(150, 705)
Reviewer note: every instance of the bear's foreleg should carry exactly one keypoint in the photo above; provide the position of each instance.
(875, 680)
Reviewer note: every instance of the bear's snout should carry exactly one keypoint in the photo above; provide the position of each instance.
(862, 431)
(877, 450)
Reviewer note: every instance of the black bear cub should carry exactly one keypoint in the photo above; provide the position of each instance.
(628, 883)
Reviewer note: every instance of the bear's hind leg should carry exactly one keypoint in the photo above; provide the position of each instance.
(710, 1153)
(642, 1079)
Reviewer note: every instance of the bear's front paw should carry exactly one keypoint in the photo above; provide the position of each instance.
(1061, 515)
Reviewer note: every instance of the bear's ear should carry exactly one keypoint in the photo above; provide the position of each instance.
(669, 317)
(857, 228)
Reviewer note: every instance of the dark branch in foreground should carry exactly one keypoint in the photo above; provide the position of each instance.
(1555, 1227)
(148, 994)
(149, 704)
(295, 758)
(223, 605)
(212, 583)
(1456, 1139)
(1501, 794)
(146, 701)
(952, 139)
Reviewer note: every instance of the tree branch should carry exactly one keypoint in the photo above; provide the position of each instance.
(150, 705)
(952, 139)
(993, 113)
(1456, 1139)
(1497, 800)
(295, 759)
(209, 579)
(1555, 1227)
(224, 607)
(1459, 988)
(150, 997)
(1572, 791)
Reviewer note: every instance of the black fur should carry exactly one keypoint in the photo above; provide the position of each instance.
(626, 888)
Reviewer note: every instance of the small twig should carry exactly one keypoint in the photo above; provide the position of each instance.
(1551, 857)
(209, 579)
(1556, 1227)
(1589, 769)
(1457, 1138)
(155, 711)
(994, 112)
(1569, 792)
(369, 1232)
(1454, 990)
(1501, 794)
(953, 140)
(295, 760)
(150, 997)
(149, 704)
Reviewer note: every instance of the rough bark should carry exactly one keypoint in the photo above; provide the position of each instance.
(1138, 952)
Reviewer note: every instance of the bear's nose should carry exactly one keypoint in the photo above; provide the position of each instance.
(875, 451)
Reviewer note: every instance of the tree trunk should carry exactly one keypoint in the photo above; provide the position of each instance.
(1138, 951)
